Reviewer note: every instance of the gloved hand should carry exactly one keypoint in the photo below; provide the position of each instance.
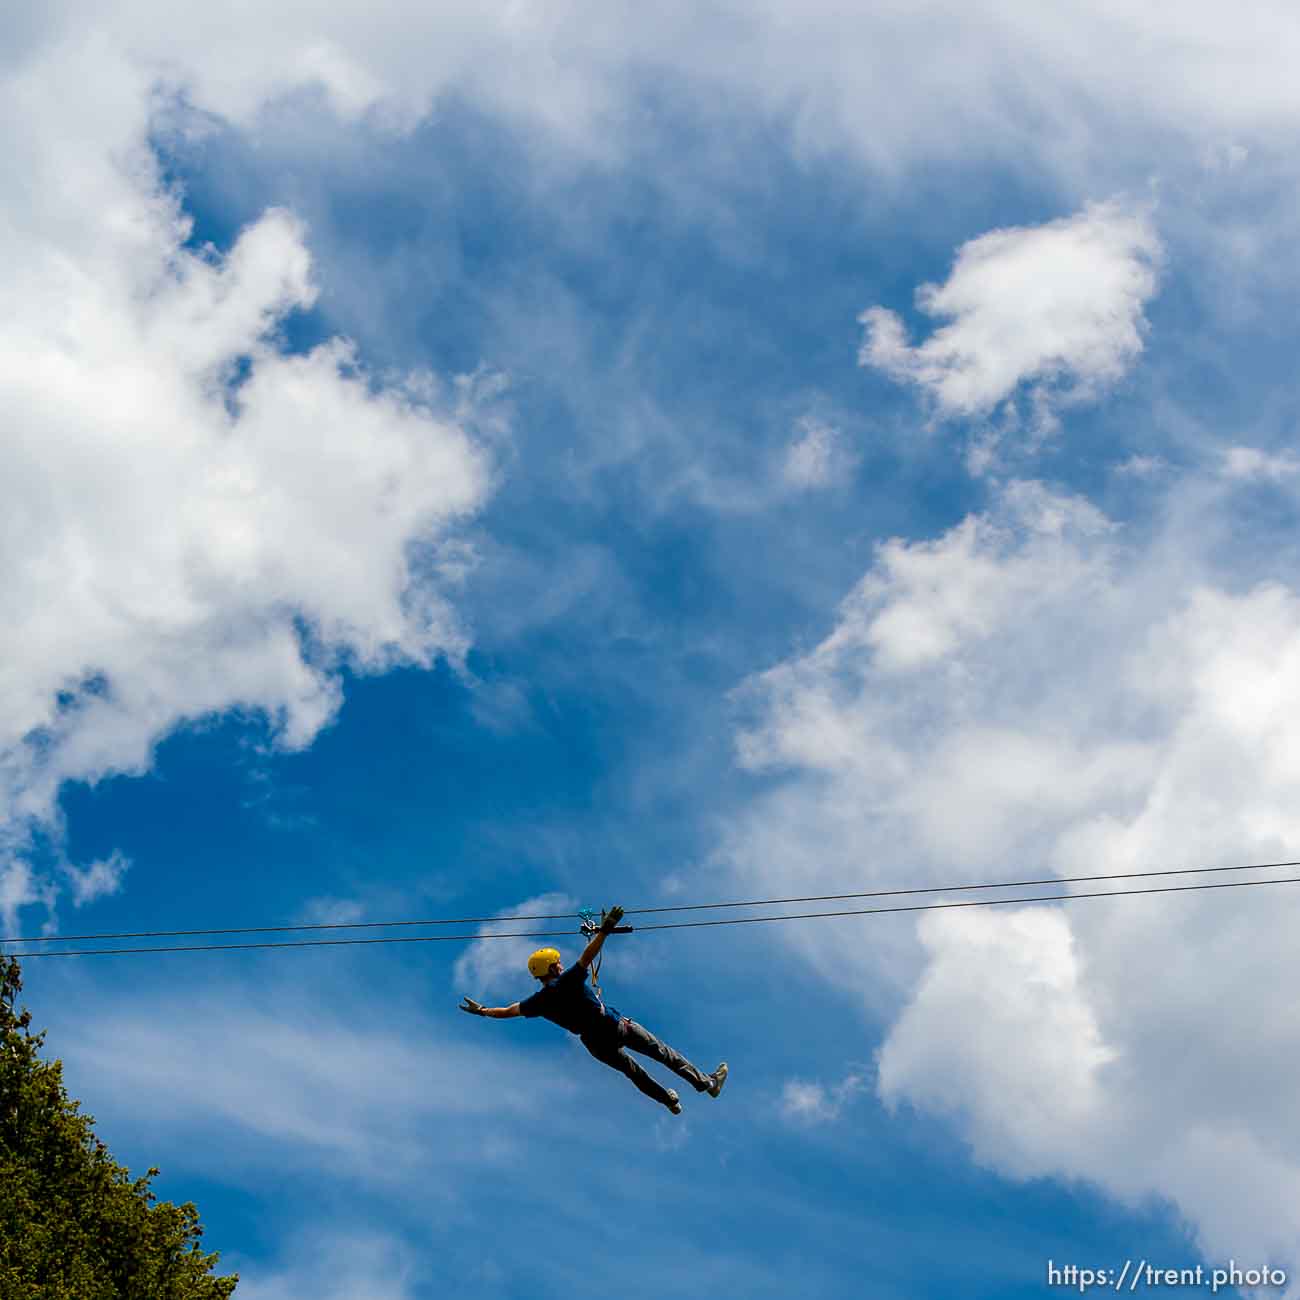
(611, 919)
(474, 1008)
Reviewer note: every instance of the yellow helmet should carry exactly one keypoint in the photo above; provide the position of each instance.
(542, 960)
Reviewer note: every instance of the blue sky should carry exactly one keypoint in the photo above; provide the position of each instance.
(619, 557)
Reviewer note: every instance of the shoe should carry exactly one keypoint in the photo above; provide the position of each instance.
(674, 1102)
(719, 1077)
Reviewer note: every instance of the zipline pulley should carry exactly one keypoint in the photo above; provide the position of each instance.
(590, 927)
(589, 923)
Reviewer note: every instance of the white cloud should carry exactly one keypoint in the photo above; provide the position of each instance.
(1031, 694)
(1141, 467)
(194, 521)
(500, 966)
(973, 75)
(163, 543)
(274, 1070)
(100, 879)
(1224, 157)
(344, 1265)
(816, 457)
(1251, 463)
(806, 1101)
(19, 888)
(330, 911)
(1038, 1053)
(1057, 307)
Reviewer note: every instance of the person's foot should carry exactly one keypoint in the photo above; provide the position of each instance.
(674, 1102)
(719, 1077)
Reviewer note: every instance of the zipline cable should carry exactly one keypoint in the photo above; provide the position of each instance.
(665, 925)
(639, 911)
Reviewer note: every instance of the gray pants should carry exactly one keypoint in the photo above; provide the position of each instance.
(613, 1051)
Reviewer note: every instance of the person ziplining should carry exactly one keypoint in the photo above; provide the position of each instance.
(567, 999)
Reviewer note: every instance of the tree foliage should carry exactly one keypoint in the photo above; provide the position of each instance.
(73, 1224)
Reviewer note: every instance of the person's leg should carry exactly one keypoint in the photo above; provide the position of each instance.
(637, 1038)
(610, 1054)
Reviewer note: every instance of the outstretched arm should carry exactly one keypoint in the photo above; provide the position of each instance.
(497, 1013)
(592, 950)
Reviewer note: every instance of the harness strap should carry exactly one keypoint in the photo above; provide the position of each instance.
(590, 927)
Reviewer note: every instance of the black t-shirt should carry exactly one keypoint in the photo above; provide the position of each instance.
(573, 1004)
